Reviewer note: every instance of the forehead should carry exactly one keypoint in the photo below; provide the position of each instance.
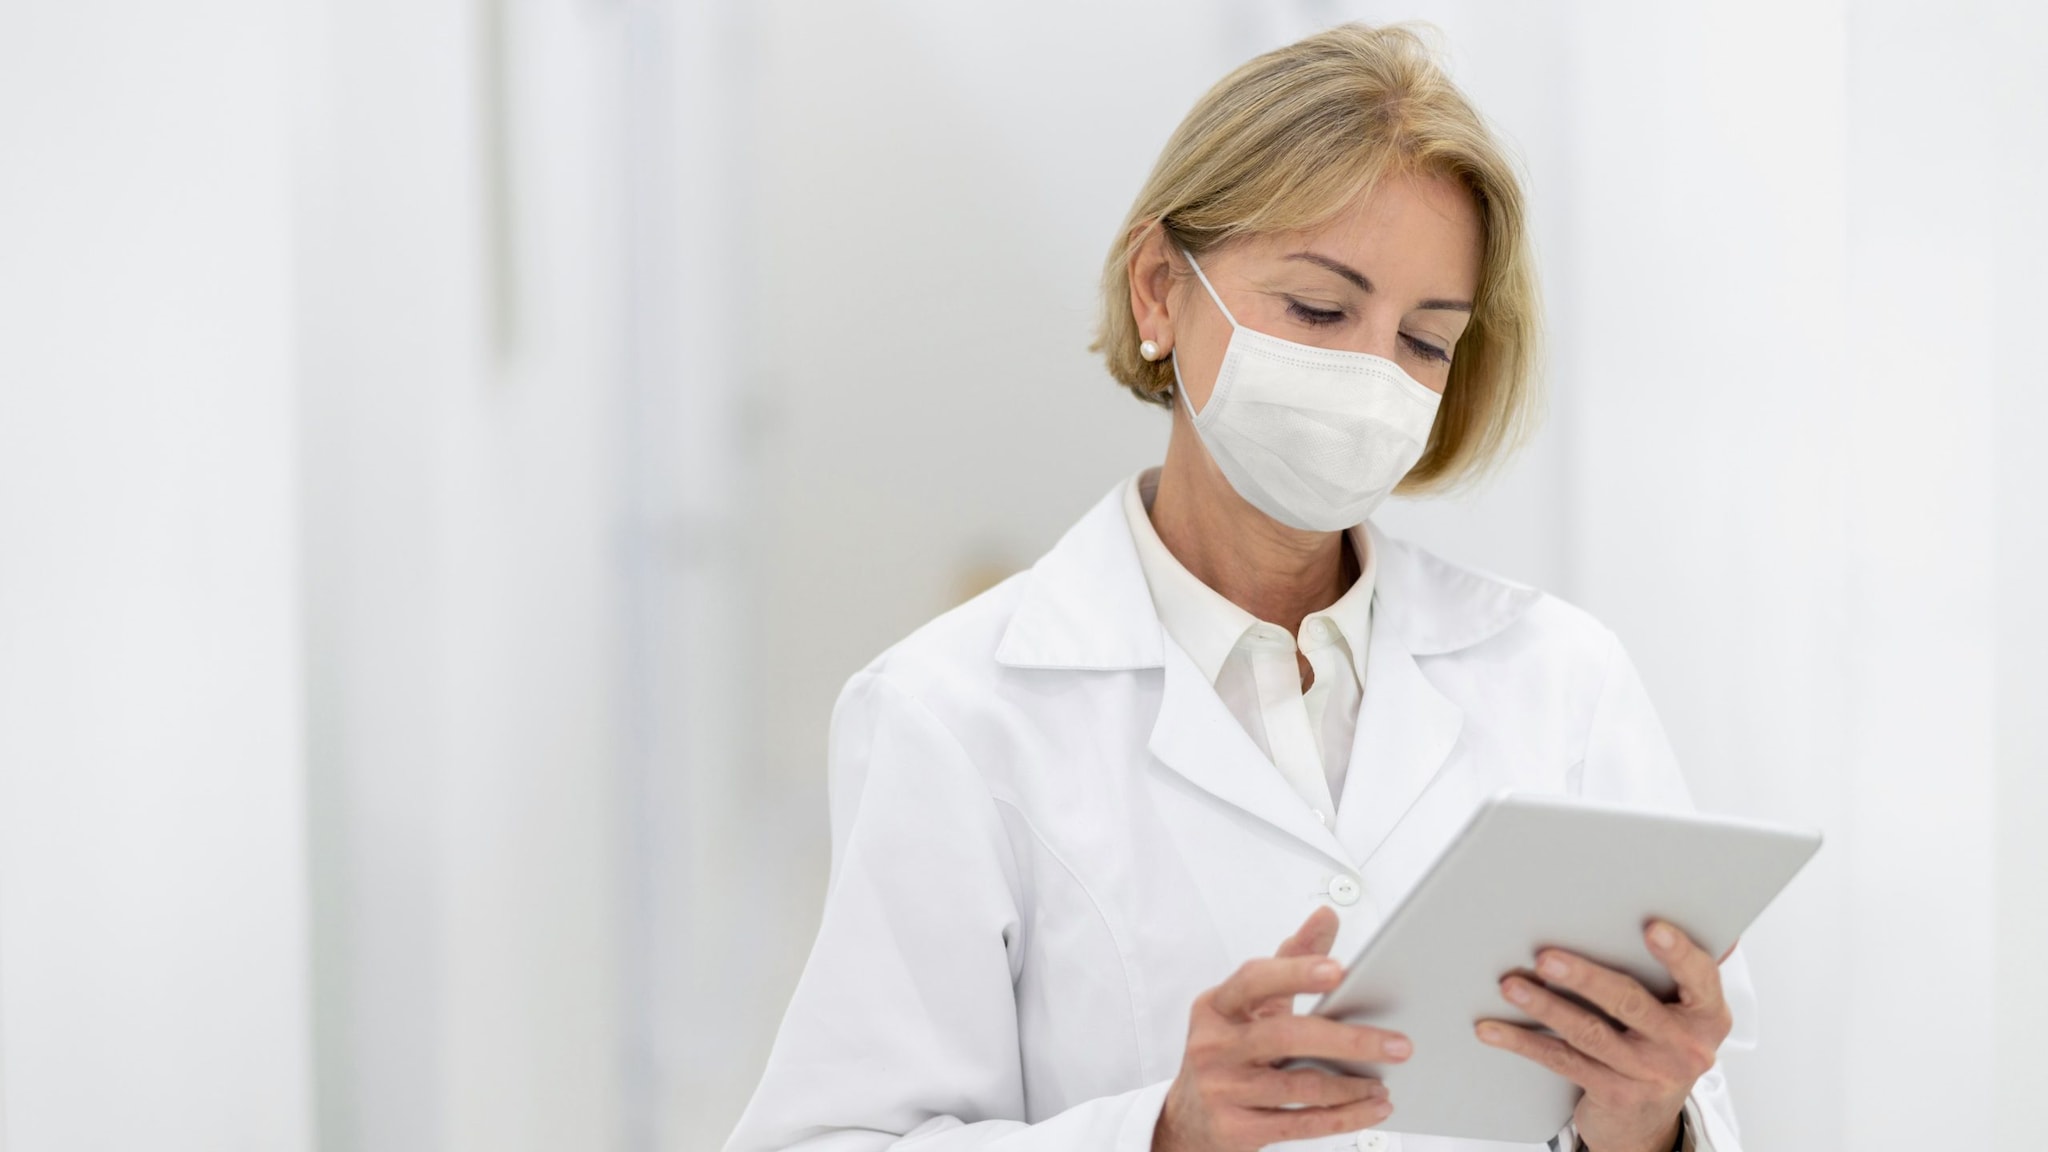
(1407, 225)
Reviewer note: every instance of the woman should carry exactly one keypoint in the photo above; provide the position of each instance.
(1072, 818)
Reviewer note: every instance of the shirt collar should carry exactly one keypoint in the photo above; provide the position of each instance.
(1206, 625)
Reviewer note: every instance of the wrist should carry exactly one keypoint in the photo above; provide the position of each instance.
(1163, 1138)
(1670, 1139)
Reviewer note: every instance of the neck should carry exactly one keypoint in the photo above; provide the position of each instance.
(1277, 573)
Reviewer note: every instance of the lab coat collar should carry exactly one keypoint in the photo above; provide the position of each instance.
(1437, 606)
(1086, 605)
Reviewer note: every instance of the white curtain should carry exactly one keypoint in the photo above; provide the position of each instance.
(153, 913)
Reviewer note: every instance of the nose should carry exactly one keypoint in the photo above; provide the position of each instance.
(1381, 336)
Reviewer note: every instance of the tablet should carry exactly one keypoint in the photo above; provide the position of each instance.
(1529, 872)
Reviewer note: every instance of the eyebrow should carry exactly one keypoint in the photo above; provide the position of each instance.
(1364, 285)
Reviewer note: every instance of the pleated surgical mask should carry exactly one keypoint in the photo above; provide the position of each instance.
(1313, 437)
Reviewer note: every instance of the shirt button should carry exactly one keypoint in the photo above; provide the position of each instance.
(1344, 889)
(1369, 1141)
(1323, 816)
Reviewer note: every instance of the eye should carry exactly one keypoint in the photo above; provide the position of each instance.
(1316, 317)
(1425, 349)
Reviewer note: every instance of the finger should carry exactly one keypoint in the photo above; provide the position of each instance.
(1303, 1123)
(1697, 973)
(1315, 936)
(1553, 1054)
(1261, 980)
(1304, 1087)
(1615, 993)
(1586, 1031)
(1313, 1037)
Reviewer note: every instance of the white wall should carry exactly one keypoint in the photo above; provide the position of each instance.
(461, 373)
(2014, 38)
(1923, 624)
(345, 538)
(153, 908)
(693, 826)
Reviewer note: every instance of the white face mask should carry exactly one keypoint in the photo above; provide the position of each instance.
(1313, 437)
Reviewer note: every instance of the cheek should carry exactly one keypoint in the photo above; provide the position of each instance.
(1199, 354)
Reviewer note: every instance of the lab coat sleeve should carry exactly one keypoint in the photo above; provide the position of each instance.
(1629, 760)
(903, 1029)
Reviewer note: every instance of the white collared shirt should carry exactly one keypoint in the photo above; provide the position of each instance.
(1251, 663)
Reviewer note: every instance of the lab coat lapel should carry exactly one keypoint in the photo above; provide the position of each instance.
(1406, 733)
(1087, 607)
(1405, 769)
(1196, 736)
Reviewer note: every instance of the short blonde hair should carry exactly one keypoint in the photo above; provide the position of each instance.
(1283, 144)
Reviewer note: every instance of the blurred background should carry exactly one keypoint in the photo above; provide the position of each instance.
(452, 452)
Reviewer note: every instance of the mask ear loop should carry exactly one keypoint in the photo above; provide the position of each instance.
(1174, 355)
(1211, 288)
(1180, 389)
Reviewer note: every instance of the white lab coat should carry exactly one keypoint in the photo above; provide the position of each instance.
(1049, 836)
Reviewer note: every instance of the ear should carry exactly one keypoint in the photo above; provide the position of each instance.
(1151, 276)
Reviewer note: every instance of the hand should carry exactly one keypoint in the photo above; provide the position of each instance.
(1640, 1060)
(1229, 1097)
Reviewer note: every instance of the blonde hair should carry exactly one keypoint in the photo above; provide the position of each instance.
(1283, 144)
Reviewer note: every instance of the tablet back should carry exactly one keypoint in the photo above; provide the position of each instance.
(1530, 872)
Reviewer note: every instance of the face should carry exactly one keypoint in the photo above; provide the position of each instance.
(1393, 274)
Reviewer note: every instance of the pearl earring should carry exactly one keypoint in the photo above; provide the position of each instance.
(1148, 350)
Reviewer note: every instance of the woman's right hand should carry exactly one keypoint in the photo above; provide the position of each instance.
(1230, 1097)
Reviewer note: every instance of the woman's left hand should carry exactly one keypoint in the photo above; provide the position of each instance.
(1639, 1061)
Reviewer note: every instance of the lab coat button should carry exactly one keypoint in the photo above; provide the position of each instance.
(1370, 1141)
(1344, 889)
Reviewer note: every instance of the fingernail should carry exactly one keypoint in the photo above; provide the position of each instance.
(1663, 937)
(1328, 970)
(1518, 991)
(1382, 1110)
(1553, 967)
(1492, 1033)
(1397, 1048)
